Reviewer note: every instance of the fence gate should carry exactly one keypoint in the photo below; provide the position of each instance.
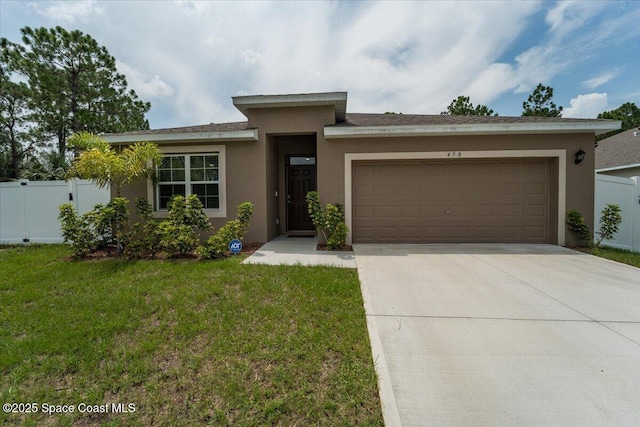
(29, 209)
(624, 193)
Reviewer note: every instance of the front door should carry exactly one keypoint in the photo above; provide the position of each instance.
(301, 178)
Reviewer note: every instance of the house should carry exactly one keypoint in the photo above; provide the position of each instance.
(400, 177)
(619, 155)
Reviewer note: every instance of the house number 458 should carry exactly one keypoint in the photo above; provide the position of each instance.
(454, 154)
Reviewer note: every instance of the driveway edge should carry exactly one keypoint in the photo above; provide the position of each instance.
(390, 412)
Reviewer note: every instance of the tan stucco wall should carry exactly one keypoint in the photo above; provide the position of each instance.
(579, 178)
(245, 168)
(275, 127)
(255, 170)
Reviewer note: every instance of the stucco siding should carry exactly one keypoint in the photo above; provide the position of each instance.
(579, 178)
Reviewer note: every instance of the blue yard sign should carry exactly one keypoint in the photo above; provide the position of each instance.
(235, 246)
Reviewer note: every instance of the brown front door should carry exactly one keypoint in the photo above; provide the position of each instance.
(301, 178)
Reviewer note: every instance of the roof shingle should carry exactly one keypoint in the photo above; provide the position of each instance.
(619, 150)
(366, 119)
(211, 127)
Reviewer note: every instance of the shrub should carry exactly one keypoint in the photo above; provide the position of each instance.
(97, 229)
(610, 221)
(177, 239)
(336, 228)
(189, 212)
(108, 222)
(577, 224)
(76, 230)
(216, 245)
(180, 231)
(143, 240)
(329, 222)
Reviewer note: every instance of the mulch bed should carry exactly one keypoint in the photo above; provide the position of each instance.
(343, 248)
(247, 248)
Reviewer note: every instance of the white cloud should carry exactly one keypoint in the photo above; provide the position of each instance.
(586, 106)
(601, 79)
(145, 87)
(411, 57)
(251, 57)
(68, 11)
(568, 16)
(194, 7)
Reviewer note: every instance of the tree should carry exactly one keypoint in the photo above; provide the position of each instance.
(539, 103)
(16, 135)
(74, 85)
(462, 106)
(44, 166)
(99, 163)
(628, 113)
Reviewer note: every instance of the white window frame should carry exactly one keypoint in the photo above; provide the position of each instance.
(221, 212)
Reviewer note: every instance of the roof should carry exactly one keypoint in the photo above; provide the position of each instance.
(392, 119)
(359, 125)
(388, 125)
(620, 150)
(220, 132)
(211, 127)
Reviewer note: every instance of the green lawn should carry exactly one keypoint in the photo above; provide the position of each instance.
(187, 342)
(620, 255)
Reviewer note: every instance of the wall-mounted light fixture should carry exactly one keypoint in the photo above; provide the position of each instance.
(580, 156)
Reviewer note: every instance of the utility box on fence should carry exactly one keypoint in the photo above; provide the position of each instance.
(29, 209)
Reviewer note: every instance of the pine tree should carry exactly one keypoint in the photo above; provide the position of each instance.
(74, 85)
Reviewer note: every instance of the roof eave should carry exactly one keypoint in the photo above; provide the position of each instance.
(621, 167)
(223, 136)
(597, 127)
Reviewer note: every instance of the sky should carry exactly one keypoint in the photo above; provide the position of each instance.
(188, 58)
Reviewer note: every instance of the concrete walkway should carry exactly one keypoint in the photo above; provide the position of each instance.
(285, 250)
(502, 335)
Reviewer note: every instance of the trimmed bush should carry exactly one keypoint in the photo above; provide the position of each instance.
(143, 240)
(610, 221)
(98, 229)
(217, 245)
(330, 221)
(577, 224)
(180, 232)
(109, 221)
(76, 231)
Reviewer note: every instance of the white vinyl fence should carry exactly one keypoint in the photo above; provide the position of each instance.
(29, 209)
(623, 192)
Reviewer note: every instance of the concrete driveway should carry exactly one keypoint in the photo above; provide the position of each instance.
(502, 335)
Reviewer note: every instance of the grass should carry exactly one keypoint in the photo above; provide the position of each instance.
(619, 255)
(188, 343)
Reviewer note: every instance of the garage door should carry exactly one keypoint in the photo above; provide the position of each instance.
(506, 200)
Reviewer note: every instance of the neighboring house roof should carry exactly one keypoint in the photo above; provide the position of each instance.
(358, 125)
(619, 151)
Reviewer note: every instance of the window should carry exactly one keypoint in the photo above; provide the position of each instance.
(302, 160)
(187, 174)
